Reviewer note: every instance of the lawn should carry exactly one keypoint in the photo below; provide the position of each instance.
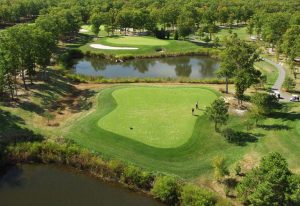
(106, 129)
(159, 117)
(134, 40)
(145, 45)
(241, 33)
(269, 70)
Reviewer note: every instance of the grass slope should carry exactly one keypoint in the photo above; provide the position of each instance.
(159, 117)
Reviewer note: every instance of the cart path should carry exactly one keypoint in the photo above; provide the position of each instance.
(279, 82)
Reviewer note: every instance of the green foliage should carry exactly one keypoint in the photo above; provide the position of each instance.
(218, 112)
(289, 84)
(192, 195)
(238, 169)
(220, 168)
(265, 103)
(167, 189)
(137, 177)
(271, 183)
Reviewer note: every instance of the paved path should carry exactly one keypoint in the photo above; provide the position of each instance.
(279, 82)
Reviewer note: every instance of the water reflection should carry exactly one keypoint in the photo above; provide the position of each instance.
(171, 67)
(30, 185)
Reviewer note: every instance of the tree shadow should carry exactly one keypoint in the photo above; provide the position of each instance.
(292, 116)
(240, 138)
(274, 127)
(79, 40)
(11, 130)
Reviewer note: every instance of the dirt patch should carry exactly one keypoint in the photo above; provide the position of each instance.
(249, 161)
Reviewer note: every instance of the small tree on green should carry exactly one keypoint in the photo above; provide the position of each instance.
(49, 116)
(238, 169)
(218, 112)
(220, 168)
(176, 35)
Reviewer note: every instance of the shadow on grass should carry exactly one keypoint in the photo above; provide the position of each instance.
(79, 41)
(292, 116)
(240, 138)
(11, 130)
(274, 127)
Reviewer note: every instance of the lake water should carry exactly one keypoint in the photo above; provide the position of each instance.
(193, 67)
(41, 185)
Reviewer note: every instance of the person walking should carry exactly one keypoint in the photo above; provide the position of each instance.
(193, 110)
(197, 105)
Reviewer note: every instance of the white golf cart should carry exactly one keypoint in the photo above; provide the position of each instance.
(276, 94)
(294, 98)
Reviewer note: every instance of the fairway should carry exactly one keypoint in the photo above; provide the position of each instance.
(131, 40)
(160, 117)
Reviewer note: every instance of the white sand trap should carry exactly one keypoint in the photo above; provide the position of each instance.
(83, 31)
(100, 46)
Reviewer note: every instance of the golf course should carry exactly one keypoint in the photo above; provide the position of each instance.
(145, 102)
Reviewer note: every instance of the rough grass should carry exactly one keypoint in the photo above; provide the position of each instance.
(159, 117)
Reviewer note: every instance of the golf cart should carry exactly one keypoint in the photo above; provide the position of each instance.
(276, 94)
(294, 98)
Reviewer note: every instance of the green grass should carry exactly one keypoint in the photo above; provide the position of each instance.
(133, 40)
(269, 70)
(194, 156)
(159, 117)
(145, 45)
(241, 32)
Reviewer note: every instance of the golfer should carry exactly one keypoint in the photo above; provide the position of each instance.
(197, 105)
(193, 110)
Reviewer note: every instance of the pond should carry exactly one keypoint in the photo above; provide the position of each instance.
(36, 185)
(193, 67)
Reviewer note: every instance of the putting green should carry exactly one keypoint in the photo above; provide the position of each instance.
(156, 116)
(131, 40)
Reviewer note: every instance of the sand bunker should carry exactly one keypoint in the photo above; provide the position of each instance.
(83, 31)
(100, 46)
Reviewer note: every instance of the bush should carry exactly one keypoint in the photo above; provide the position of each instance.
(136, 177)
(167, 189)
(66, 59)
(192, 195)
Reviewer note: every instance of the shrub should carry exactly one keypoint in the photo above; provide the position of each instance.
(167, 189)
(134, 176)
(192, 195)
(220, 168)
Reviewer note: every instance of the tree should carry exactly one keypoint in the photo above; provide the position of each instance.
(218, 112)
(263, 105)
(237, 62)
(271, 183)
(289, 84)
(96, 21)
(220, 168)
(274, 26)
(185, 24)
